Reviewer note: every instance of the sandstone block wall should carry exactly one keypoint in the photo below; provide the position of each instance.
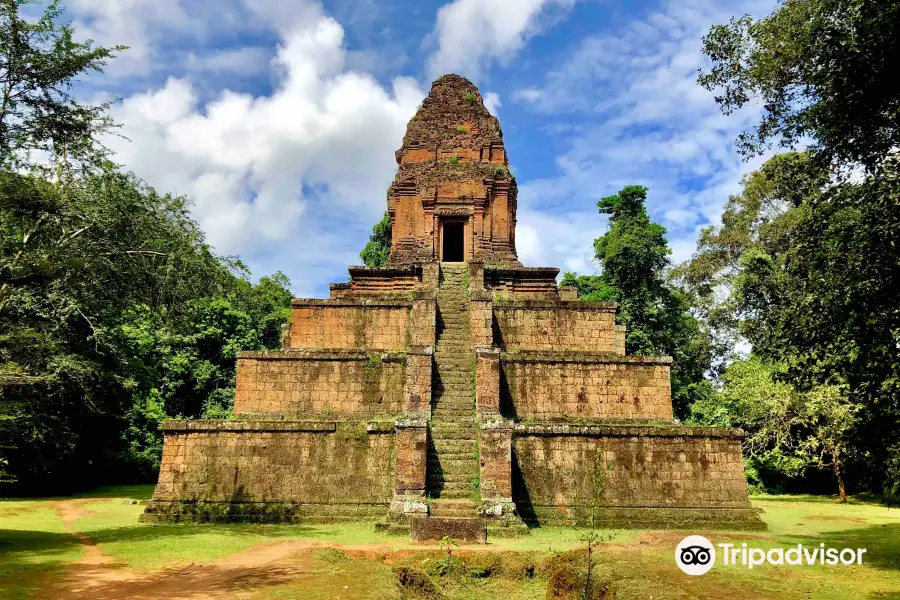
(284, 462)
(417, 388)
(349, 324)
(495, 457)
(561, 325)
(309, 383)
(554, 386)
(487, 382)
(412, 458)
(645, 467)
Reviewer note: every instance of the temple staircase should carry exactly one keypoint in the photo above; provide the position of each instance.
(453, 467)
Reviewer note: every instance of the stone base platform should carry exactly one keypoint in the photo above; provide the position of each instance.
(433, 529)
(258, 512)
(741, 519)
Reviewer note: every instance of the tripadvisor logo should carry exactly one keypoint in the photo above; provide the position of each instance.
(696, 555)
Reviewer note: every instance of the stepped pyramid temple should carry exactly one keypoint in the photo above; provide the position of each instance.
(452, 389)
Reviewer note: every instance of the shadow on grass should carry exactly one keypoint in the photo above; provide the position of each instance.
(22, 550)
(28, 558)
(137, 492)
(882, 544)
(812, 499)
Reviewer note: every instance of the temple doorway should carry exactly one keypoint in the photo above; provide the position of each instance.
(452, 241)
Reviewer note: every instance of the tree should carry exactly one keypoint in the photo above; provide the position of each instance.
(590, 288)
(804, 268)
(114, 312)
(379, 246)
(786, 431)
(820, 69)
(633, 255)
(39, 60)
(757, 224)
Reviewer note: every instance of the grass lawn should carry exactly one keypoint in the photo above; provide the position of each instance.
(92, 546)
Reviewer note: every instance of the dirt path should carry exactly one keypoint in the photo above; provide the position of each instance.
(240, 575)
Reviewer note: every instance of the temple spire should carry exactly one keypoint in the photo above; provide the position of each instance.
(453, 198)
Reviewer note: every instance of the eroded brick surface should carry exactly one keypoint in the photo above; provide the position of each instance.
(348, 465)
(546, 388)
(349, 327)
(643, 467)
(309, 384)
(574, 325)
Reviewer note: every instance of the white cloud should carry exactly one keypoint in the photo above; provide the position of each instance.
(472, 33)
(492, 102)
(642, 118)
(245, 61)
(290, 181)
(127, 22)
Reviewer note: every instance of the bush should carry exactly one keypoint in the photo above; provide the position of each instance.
(415, 584)
(892, 477)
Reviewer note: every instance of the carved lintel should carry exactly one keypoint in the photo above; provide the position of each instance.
(453, 211)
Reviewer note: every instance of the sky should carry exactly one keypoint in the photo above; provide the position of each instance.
(279, 119)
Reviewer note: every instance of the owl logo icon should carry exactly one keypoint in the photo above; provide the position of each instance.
(695, 555)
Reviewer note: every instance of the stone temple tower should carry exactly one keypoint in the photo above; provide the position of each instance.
(454, 198)
(453, 390)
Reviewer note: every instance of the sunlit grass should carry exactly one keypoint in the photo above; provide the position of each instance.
(35, 548)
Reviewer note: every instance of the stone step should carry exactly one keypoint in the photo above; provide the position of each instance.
(452, 464)
(460, 358)
(455, 429)
(453, 432)
(455, 396)
(455, 334)
(453, 508)
(454, 399)
(465, 484)
(454, 445)
(450, 412)
(455, 490)
(443, 371)
(458, 391)
(445, 374)
(452, 379)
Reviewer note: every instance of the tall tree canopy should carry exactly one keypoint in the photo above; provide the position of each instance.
(39, 61)
(820, 69)
(633, 255)
(804, 268)
(114, 312)
(379, 245)
(810, 255)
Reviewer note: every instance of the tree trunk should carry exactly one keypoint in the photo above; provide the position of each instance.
(836, 465)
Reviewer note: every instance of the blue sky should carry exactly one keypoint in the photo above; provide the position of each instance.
(279, 119)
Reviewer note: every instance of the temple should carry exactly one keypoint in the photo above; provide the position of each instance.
(452, 389)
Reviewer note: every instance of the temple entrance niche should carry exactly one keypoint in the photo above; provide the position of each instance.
(453, 240)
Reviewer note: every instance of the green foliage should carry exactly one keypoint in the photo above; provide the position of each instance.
(470, 97)
(891, 488)
(824, 69)
(499, 171)
(804, 268)
(633, 255)
(756, 229)
(591, 288)
(373, 365)
(39, 60)
(114, 313)
(787, 432)
(453, 160)
(461, 129)
(378, 247)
